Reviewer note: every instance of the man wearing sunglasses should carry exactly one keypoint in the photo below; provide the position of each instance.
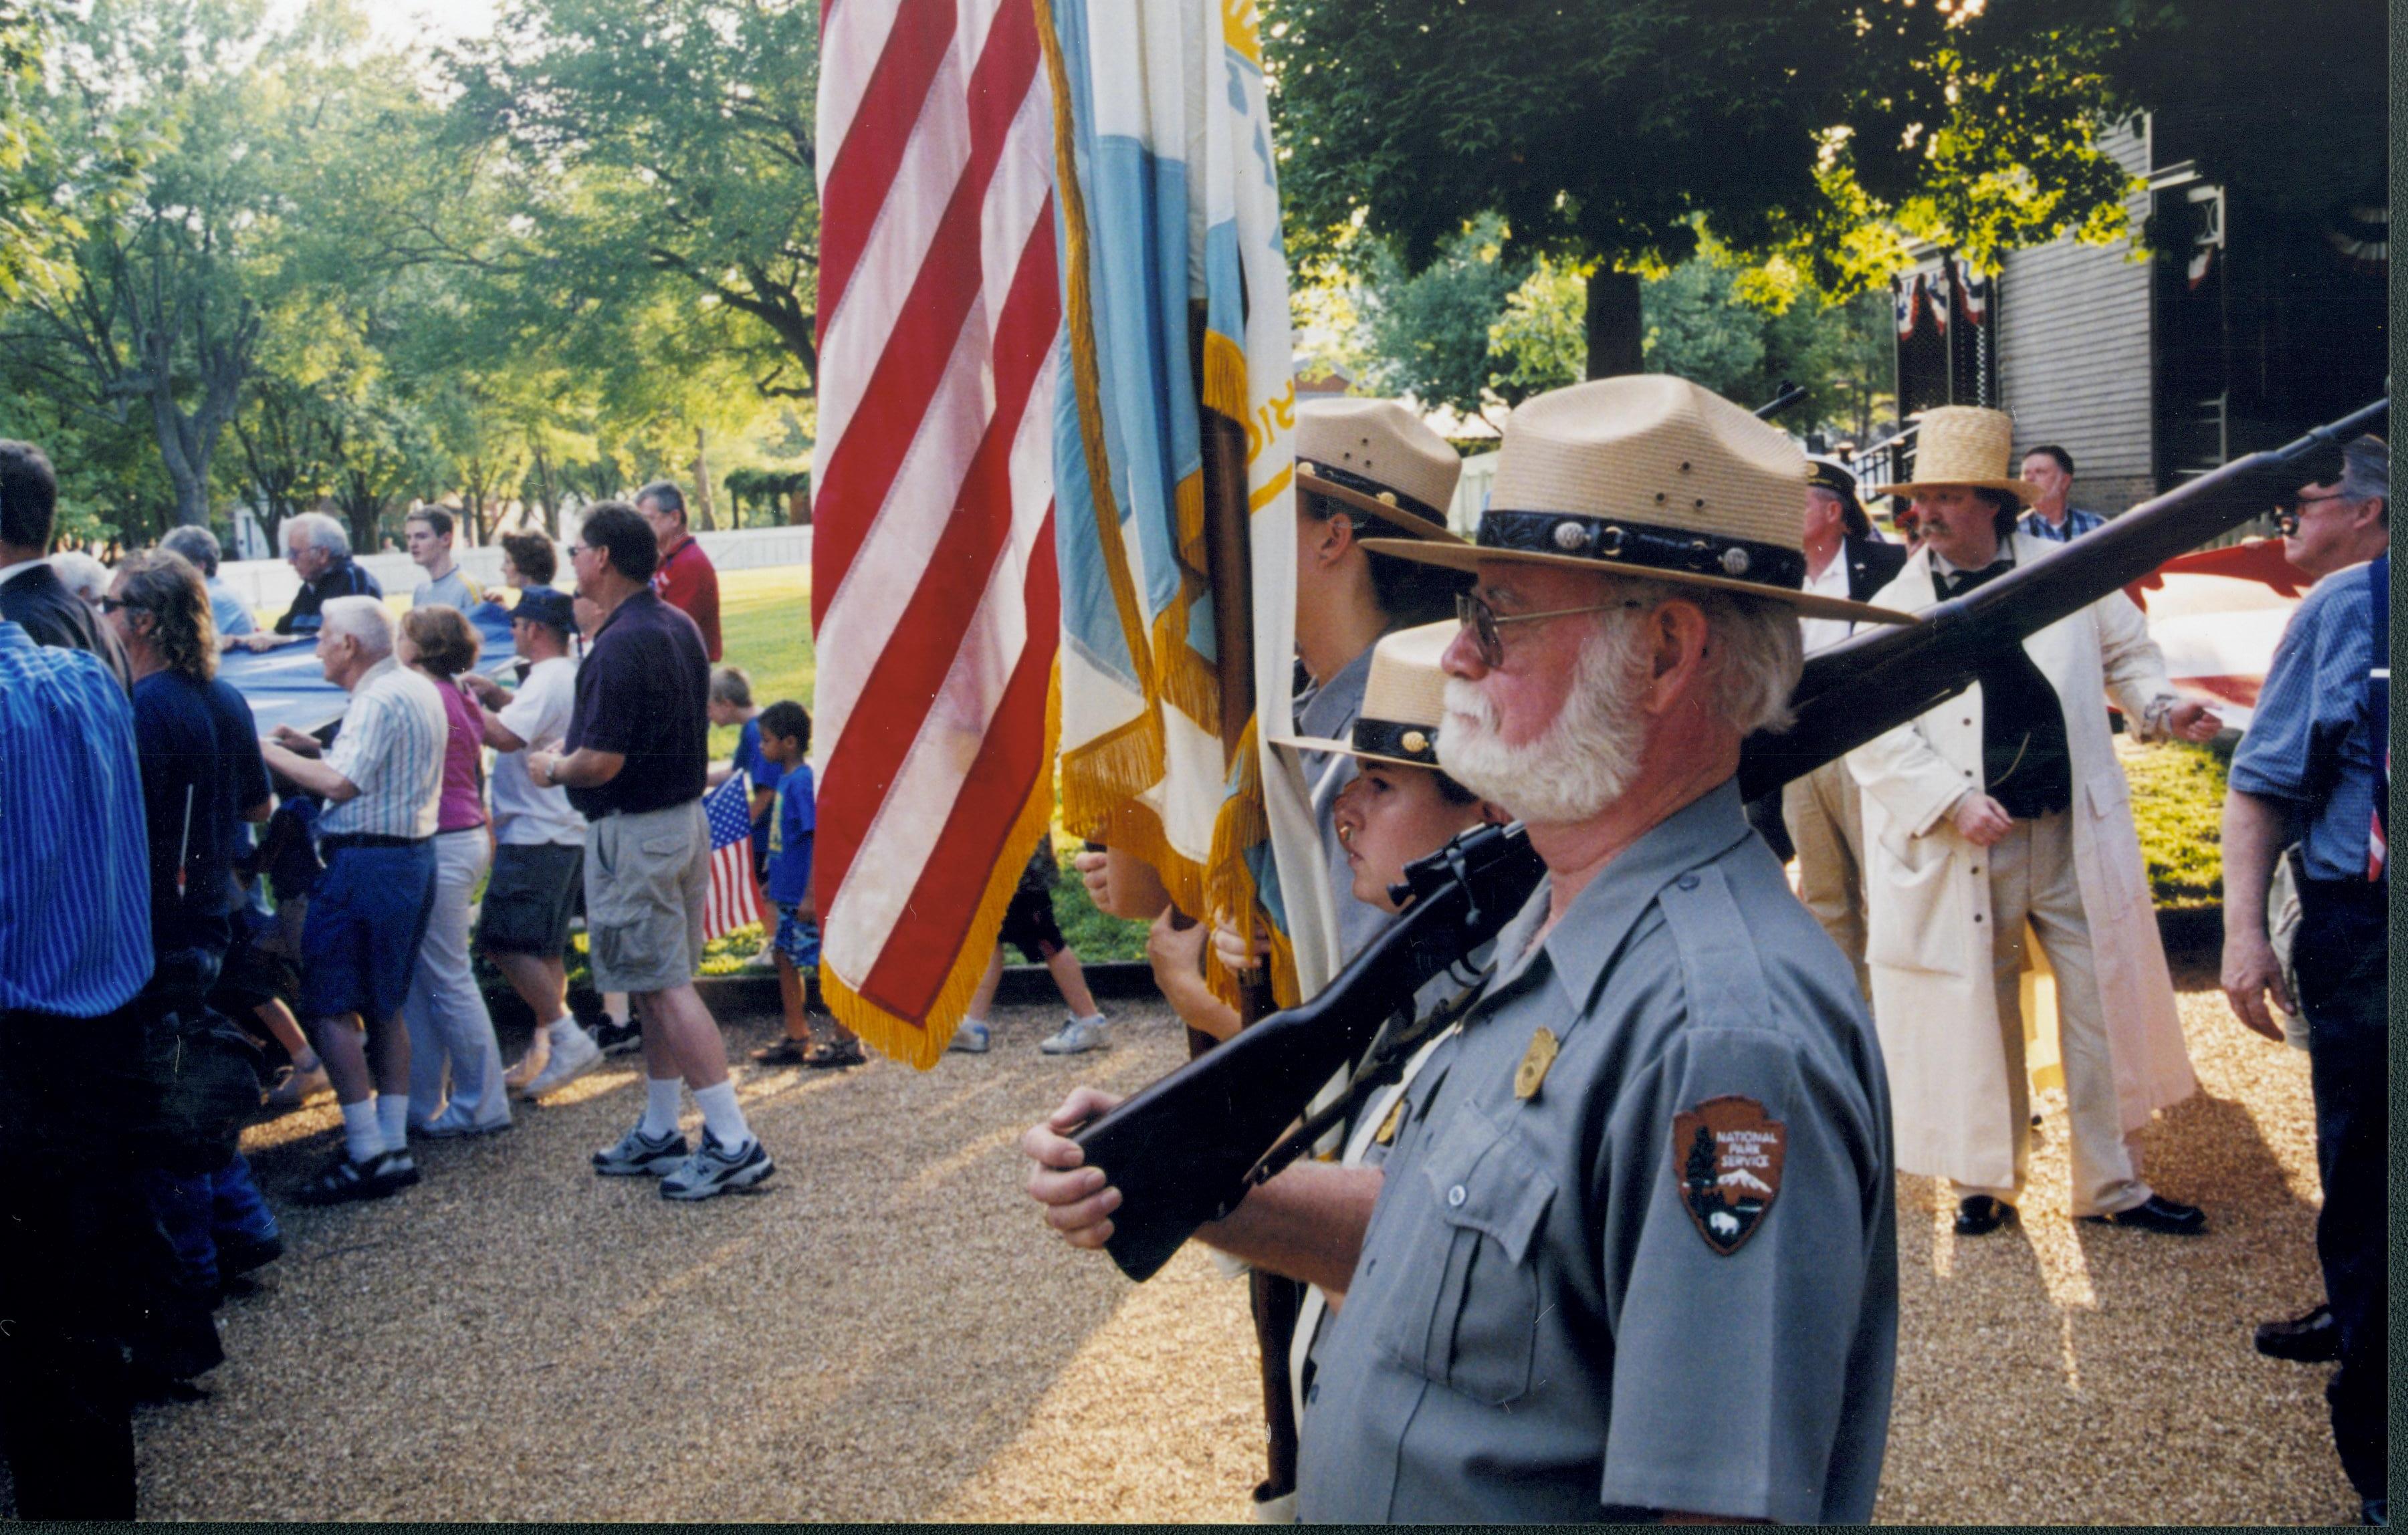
(2315, 769)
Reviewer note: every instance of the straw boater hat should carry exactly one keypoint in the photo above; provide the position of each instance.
(1966, 445)
(1649, 477)
(1377, 456)
(1403, 701)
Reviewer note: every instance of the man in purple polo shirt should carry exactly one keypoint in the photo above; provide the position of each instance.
(634, 762)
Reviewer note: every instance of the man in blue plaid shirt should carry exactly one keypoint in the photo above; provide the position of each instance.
(2051, 468)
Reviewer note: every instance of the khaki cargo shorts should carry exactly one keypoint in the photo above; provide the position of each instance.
(647, 877)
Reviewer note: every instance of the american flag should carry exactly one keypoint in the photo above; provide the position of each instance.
(734, 899)
(934, 598)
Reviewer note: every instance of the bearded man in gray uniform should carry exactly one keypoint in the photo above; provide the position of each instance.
(1632, 1250)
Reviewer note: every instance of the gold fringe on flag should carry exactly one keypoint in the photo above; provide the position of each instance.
(920, 1046)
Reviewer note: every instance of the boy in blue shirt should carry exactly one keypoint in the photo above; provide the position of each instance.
(731, 703)
(785, 741)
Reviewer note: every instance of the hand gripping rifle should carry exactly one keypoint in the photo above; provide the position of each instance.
(1187, 1148)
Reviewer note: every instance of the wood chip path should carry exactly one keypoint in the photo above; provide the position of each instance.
(888, 1334)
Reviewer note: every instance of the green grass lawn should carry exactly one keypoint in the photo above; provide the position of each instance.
(765, 626)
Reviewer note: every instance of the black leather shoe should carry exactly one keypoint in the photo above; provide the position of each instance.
(2311, 1340)
(2157, 1213)
(1979, 1215)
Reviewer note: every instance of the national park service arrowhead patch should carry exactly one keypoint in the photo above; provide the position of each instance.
(1727, 1155)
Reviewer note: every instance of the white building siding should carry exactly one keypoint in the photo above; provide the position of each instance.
(2073, 353)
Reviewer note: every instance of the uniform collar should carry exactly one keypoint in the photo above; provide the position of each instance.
(1585, 943)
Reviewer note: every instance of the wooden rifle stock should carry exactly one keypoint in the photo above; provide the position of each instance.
(1179, 1149)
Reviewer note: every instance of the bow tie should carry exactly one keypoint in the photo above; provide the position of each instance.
(1956, 583)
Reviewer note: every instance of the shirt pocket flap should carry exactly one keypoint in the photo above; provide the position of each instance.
(1493, 1186)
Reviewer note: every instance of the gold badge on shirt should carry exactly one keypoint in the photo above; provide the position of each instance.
(1386, 1134)
(1534, 1062)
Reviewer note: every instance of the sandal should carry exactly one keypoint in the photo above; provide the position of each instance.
(827, 1055)
(783, 1053)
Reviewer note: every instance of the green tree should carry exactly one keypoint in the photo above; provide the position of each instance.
(1426, 333)
(671, 141)
(1615, 134)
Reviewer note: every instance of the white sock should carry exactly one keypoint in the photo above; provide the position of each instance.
(660, 1106)
(1096, 1018)
(563, 1027)
(722, 1117)
(362, 1137)
(393, 1119)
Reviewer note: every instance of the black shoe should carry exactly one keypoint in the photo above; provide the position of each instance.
(2311, 1340)
(344, 1179)
(240, 1256)
(616, 1037)
(2166, 1217)
(1978, 1215)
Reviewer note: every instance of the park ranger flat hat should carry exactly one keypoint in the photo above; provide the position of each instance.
(1377, 456)
(1965, 445)
(1653, 477)
(1404, 698)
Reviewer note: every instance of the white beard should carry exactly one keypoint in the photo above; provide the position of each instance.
(1587, 757)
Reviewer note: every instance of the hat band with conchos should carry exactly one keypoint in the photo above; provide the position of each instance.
(1398, 740)
(1578, 535)
(1360, 484)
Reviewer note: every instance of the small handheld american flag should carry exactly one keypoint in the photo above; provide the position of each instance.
(734, 898)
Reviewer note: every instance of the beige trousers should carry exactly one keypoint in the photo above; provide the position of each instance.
(1825, 813)
(2032, 880)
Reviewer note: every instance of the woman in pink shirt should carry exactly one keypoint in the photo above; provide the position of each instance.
(450, 1032)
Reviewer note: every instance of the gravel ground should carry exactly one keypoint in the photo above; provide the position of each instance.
(887, 1334)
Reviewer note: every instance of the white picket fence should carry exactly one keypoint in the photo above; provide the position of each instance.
(268, 585)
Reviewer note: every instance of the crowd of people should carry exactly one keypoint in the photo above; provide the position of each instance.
(1660, 1114)
(1641, 1167)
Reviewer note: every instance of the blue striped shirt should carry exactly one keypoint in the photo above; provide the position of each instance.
(391, 748)
(2077, 523)
(75, 880)
(2311, 744)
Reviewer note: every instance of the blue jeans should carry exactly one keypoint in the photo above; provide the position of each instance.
(201, 1210)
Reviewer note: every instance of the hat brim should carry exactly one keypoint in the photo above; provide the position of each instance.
(2022, 489)
(1346, 749)
(1421, 528)
(1464, 556)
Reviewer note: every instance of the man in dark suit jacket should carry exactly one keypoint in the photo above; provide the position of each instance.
(31, 593)
(1845, 557)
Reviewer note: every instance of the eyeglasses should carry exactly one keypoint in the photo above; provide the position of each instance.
(114, 605)
(2287, 515)
(575, 549)
(1472, 611)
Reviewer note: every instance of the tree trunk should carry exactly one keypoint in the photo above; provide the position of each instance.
(1615, 327)
(799, 507)
(702, 483)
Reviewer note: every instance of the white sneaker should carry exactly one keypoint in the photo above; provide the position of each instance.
(568, 1062)
(971, 1039)
(1078, 1037)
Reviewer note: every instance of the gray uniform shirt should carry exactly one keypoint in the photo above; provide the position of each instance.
(1329, 712)
(1581, 1301)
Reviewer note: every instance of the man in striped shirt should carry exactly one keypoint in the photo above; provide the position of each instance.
(2051, 468)
(381, 781)
(75, 948)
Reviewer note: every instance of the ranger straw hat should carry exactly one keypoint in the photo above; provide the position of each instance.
(1967, 445)
(1649, 477)
(1403, 701)
(1377, 456)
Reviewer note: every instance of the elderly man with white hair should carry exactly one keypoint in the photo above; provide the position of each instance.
(320, 551)
(1632, 1247)
(382, 781)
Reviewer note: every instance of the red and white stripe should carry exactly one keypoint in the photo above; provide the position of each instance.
(933, 589)
(734, 898)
